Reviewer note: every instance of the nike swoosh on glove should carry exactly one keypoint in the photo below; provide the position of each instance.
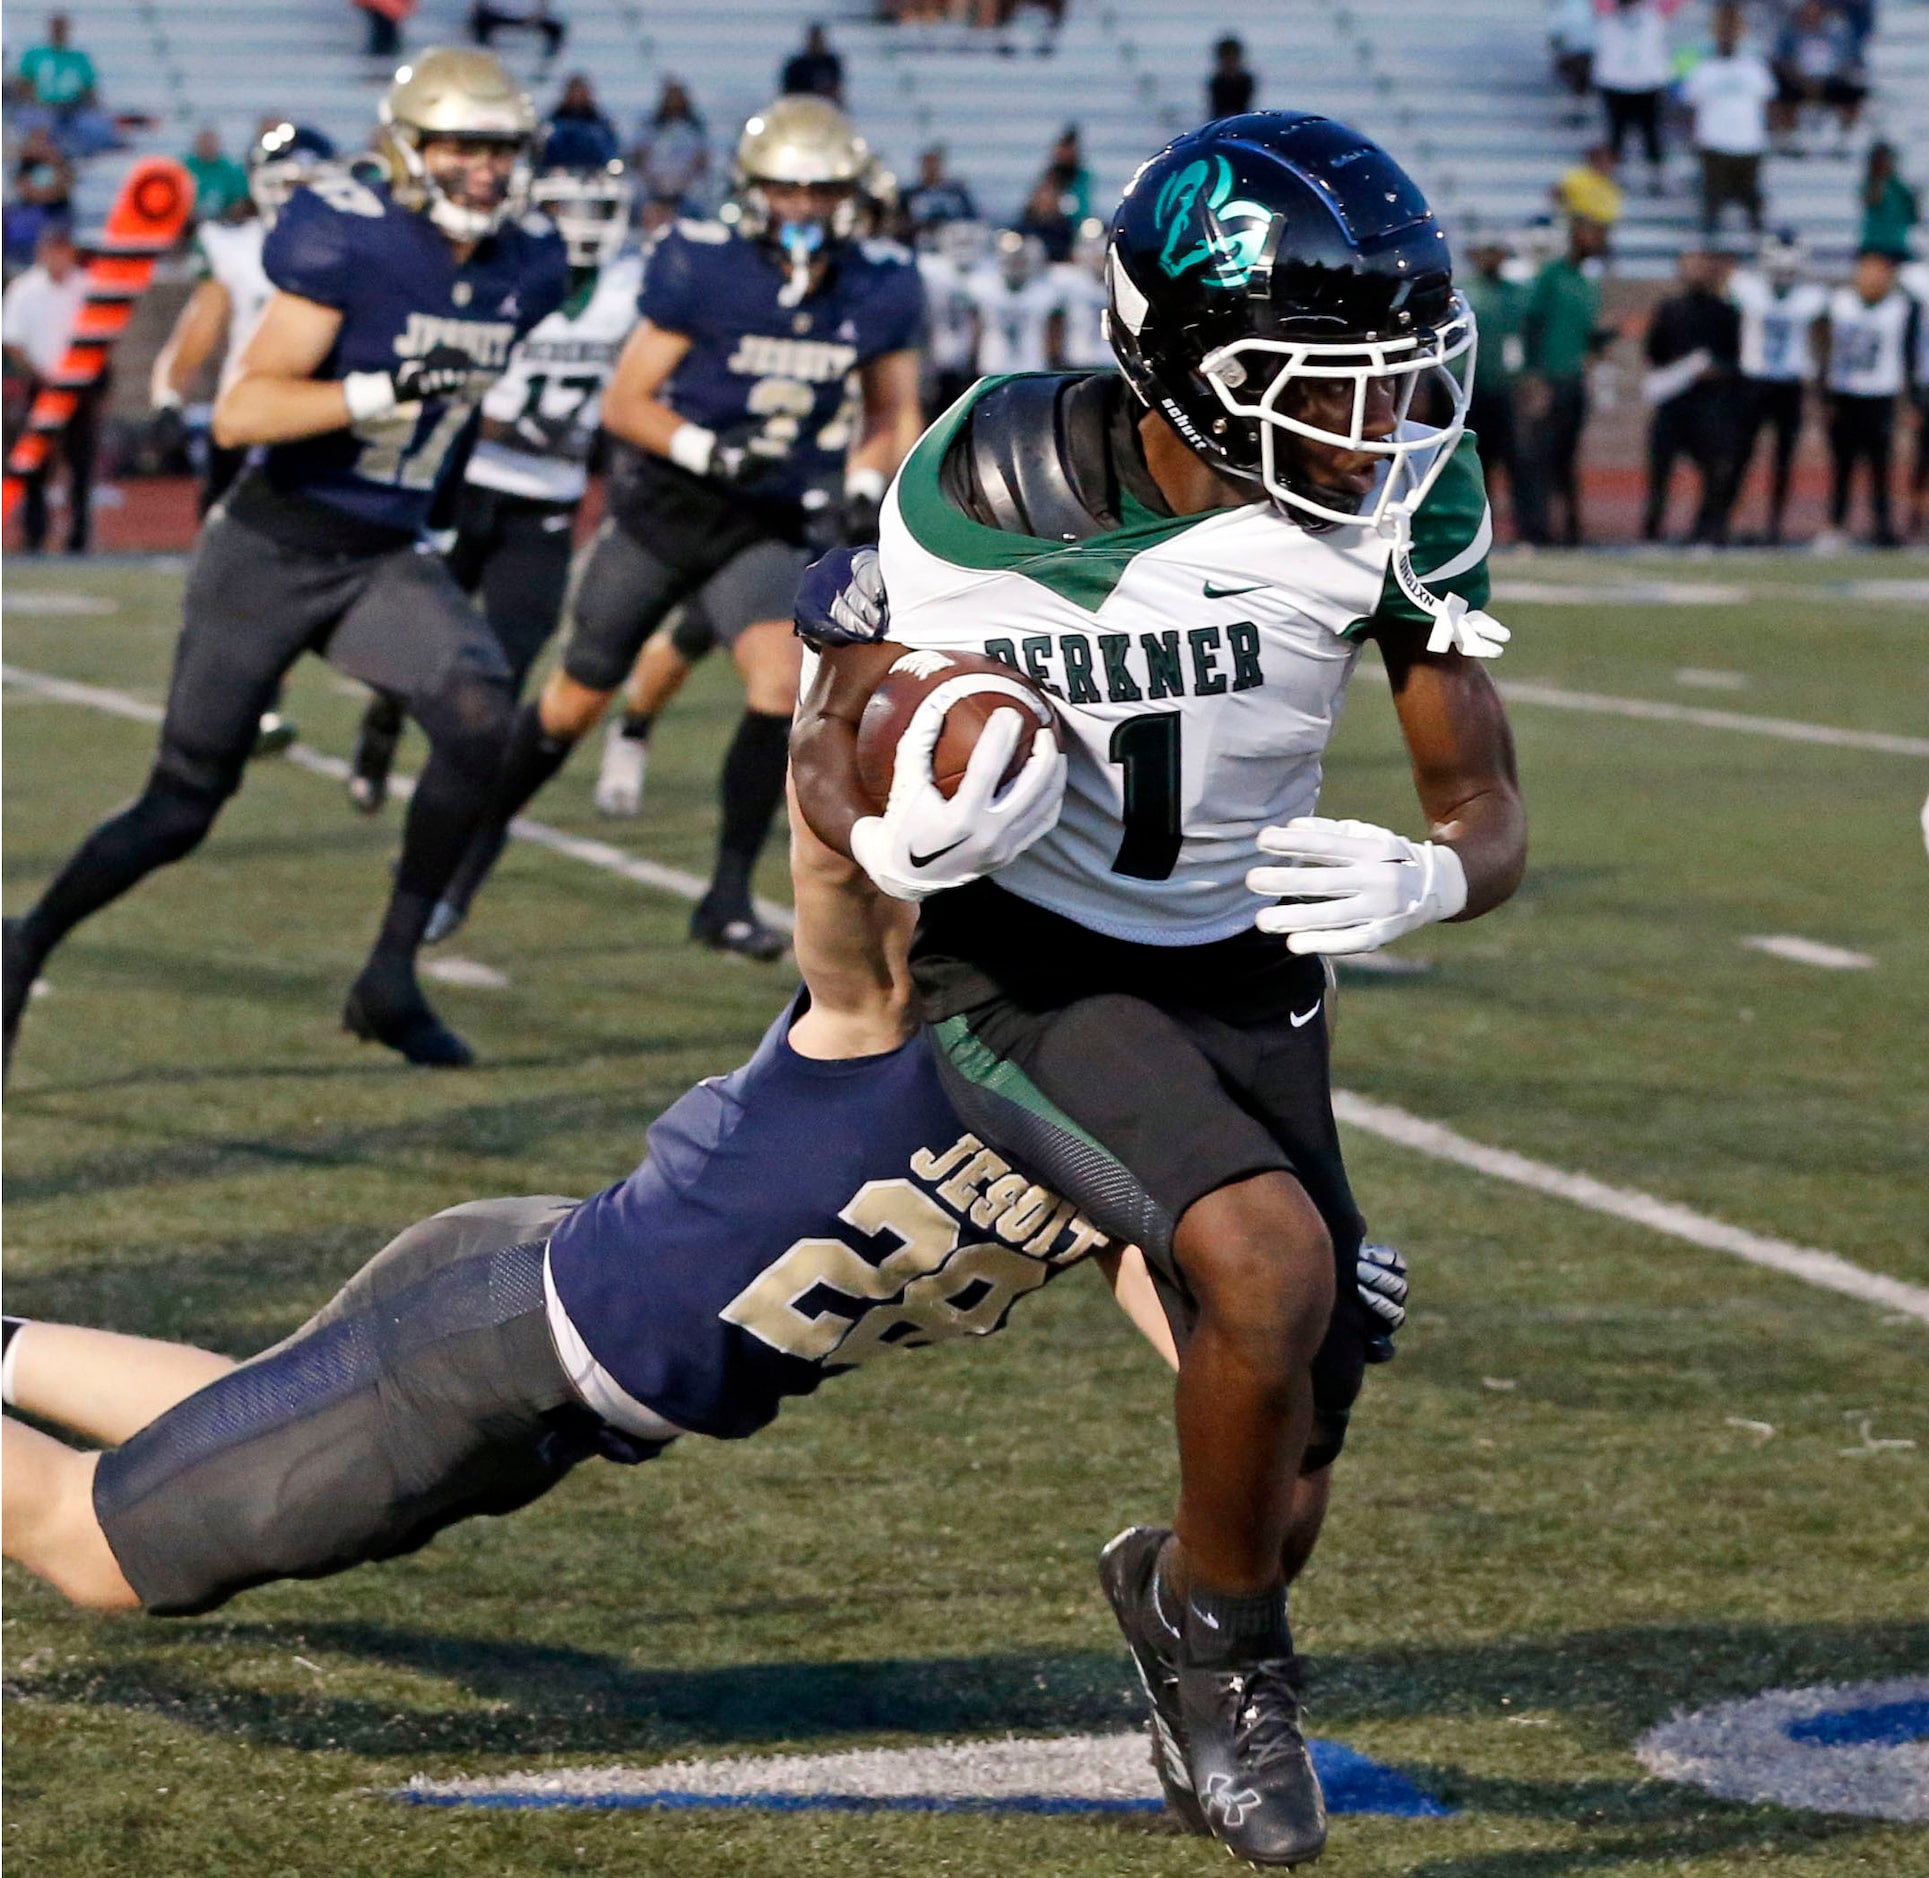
(923, 844)
(841, 600)
(1358, 886)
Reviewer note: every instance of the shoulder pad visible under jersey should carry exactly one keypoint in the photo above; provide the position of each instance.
(346, 192)
(536, 224)
(1024, 489)
(884, 253)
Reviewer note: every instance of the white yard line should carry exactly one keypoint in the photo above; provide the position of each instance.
(1813, 1267)
(1643, 1209)
(1809, 952)
(1789, 729)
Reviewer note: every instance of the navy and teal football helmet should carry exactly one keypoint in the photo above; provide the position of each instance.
(1275, 247)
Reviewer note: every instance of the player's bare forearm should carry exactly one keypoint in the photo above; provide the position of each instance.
(893, 419)
(823, 741)
(853, 946)
(1462, 753)
(196, 334)
(631, 408)
(1134, 1293)
(276, 397)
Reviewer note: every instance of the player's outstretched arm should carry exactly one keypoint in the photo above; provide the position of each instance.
(1462, 753)
(200, 328)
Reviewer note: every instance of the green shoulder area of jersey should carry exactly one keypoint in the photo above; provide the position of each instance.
(1084, 572)
(1452, 534)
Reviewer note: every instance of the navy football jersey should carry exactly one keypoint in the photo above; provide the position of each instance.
(344, 242)
(757, 366)
(794, 1219)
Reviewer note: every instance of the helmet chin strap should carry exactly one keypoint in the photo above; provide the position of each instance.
(1457, 626)
(801, 243)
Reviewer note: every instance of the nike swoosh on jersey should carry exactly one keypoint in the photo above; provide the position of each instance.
(1226, 593)
(1303, 1018)
(936, 854)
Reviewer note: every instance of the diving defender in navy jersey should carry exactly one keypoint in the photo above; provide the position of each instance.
(397, 301)
(734, 421)
(485, 1352)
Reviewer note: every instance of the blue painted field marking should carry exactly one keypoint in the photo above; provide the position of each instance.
(1887, 1725)
(1095, 1774)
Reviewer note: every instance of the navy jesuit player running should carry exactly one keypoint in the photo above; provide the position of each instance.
(734, 436)
(1191, 552)
(397, 302)
(488, 1350)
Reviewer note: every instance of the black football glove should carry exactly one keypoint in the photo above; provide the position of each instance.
(744, 454)
(443, 372)
(857, 521)
(1380, 1273)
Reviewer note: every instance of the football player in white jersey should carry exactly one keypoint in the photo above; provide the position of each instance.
(1870, 341)
(955, 252)
(1016, 303)
(516, 505)
(1081, 299)
(1192, 557)
(231, 293)
(1779, 310)
(1914, 280)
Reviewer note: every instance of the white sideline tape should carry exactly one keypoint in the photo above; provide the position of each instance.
(1379, 1118)
(611, 860)
(1785, 945)
(1643, 1209)
(1789, 729)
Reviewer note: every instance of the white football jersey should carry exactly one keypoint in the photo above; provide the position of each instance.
(231, 253)
(949, 311)
(1776, 326)
(557, 375)
(1012, 321)
(1914, 281)
(1200, 663)
(1081, 298)
(1868, 356)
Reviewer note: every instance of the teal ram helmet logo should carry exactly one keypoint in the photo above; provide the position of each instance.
(1206, 226)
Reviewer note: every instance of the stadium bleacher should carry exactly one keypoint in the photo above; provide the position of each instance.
(1463, 94)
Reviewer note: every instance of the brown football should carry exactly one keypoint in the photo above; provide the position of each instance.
(987, 686)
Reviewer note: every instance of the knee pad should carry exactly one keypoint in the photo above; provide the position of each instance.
(468, 721)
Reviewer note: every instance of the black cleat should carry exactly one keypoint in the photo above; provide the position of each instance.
(736, 929)
(274, 734)
(1127, 1569)
(20, 971)
(1240, 1717)
(373, 757)
(389, 1008)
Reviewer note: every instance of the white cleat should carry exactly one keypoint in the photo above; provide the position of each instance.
(619, 784)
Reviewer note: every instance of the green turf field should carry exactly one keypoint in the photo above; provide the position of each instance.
(1550, 1533)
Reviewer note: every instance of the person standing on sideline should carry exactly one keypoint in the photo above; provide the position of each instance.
(1870, 344)
(1232, 83)
(1778, 314)
(1888, 204)
(1694, 388)
(1729, 92)
(36, 321)
(1632, 72)
(1499, 306)
(1560, 335)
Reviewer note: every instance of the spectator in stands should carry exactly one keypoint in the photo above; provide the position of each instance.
(672, 157)
(815, 70)
(1499, 305)
(220, 183)
(936, 198)
(1560, 335)
(1695, 391)
(1632, 72)
(59, 80)
(1730, 92)
(1060, 199)
(1889, 209)
(1817, 62)
(41, 196)
(487, 18)
(1230, 88)
(1589, 188)
(385, 19)
(1570, 38)
(36, 319)
(578, 105)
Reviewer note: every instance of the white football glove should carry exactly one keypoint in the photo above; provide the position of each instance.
(1459, 627)
(1363, 886)
(923, 844)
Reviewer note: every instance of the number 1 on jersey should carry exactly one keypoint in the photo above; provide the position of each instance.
(1147, 748)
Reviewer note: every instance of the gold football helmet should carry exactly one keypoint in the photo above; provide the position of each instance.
(454, 92)
(800, 143)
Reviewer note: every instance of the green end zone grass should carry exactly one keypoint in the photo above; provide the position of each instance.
(1549, 1533)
